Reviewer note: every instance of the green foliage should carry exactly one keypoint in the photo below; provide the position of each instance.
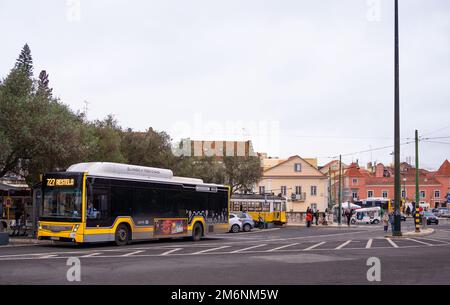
(108, 135)
(39, 134)
(149, 148)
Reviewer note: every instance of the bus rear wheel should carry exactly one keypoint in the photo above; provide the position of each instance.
(122, 236)
(197, 232)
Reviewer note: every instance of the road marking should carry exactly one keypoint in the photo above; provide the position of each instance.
(314, 246)
(419, 241)
(369, 243)
(171, 251)
(437, 240)
(92, 254)
(48, 256)
(209, 250)
(343, 245)
(133, 253)
(392, 243)
(282, 247)
(248, 248)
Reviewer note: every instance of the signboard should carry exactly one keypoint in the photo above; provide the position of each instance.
(61, 180)
(170, 226)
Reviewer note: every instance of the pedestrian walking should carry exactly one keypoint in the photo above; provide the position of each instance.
(309, 217)
(348, 213)
(316, 216)
(386, 222)
(391, 220)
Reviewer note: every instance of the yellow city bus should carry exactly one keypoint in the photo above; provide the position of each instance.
(272, 209)
(101, 201)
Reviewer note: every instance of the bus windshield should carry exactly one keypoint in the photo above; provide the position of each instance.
(61, 203)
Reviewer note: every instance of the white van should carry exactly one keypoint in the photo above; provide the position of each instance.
(367, 215)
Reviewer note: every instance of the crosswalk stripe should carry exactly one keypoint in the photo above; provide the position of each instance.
(369, 243)
(419, 241)
(314, 246)
(392, 243)
(248, 248)
(343, 245)
(282, 247)
(133, 253)
(437, 240)
(171, 251)
(209, 250)
(92, 254)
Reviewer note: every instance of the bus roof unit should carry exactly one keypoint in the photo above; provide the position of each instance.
(120, 170)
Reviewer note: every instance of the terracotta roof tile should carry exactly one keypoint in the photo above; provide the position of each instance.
(444, 169)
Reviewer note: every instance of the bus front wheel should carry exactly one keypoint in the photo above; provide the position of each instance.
(122, 235)
(197, 232)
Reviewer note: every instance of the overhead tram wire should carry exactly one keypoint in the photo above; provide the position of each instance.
(364, 151)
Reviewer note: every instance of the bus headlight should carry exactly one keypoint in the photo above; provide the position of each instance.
(75, 228)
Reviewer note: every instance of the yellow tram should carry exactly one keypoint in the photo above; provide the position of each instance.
(272, 209)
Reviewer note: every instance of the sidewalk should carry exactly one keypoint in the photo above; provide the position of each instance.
(423, 232)
(332, 225)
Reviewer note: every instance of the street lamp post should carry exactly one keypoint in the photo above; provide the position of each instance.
(397, 196)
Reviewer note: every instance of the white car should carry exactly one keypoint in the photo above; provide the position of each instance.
(235, 223)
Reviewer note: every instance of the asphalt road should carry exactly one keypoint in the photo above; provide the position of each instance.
(291, 255)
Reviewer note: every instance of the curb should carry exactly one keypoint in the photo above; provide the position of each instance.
(408, 234)
(27, 241)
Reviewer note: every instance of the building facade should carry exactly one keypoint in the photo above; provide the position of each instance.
(434, 187)
(299, 181)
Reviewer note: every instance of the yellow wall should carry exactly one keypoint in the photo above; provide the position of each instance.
(284, 175)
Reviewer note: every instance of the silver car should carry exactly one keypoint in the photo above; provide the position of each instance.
(247, 221)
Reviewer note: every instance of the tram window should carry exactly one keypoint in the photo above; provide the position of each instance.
(258, 206)
(277, 206)
(236, 206)
(244, 206)
(266, 207)
(283, 206)
(251, 206)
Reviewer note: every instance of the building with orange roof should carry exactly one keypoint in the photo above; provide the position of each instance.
(434, 187)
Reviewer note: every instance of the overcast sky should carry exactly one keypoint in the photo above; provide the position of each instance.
(313, 78)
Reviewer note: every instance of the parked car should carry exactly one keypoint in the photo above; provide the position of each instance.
(235, 223)
(443, 212)
(429, 217)
(247, 221)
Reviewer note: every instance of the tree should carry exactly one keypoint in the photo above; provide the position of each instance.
(37, 133)
(149, 148)
(241, 173)
(25, 61)
(42, 85)
(108, 136)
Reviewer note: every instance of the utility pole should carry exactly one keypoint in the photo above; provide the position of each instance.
(340, 191)
(417, 220)
(397, 184)
(330, 200)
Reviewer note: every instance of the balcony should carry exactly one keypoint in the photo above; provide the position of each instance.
(298, 197)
